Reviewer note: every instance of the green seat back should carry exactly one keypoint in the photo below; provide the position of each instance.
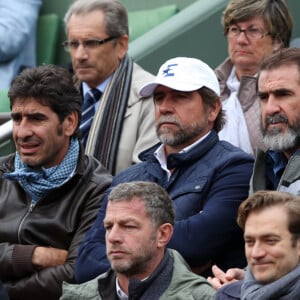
(143, 20)
(4, 101)
(47, 38)
(7, 147)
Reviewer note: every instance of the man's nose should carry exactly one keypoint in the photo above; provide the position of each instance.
(114, 234)
(23, 129)
(166, 105)
(270, 106)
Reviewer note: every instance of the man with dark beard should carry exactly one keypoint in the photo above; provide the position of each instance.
(206, 178)
(139, 223)
(279, 92)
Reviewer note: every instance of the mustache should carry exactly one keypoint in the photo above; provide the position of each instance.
(275, 119)
(27, 140)
(82, 65)
(117, 248)
(168, 119)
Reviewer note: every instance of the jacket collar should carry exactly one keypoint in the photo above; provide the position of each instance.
(176, 160)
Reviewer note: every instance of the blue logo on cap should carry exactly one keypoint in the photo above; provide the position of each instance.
(168, 72)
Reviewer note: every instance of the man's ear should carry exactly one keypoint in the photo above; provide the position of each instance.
(277, 46)
(70, 123)
(213, 111)
(298, 247)
(122, 44)
(165, 232)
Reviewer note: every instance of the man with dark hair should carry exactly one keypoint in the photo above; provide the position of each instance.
(206, 178)
(139, 223)
(50, 191)
(118, 123)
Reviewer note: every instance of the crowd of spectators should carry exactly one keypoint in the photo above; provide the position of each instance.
(103, 148)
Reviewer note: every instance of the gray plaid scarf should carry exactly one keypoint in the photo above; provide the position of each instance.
(285, 288)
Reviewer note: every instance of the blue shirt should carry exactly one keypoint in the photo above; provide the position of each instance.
(18, 25)
(275, 166)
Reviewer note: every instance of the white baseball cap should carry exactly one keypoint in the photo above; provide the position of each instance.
(183, 74)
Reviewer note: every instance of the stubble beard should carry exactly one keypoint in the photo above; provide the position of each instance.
(138, 261)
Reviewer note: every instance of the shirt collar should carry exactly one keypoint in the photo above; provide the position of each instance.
(120, 293)
(101, 87)
(160, 154)
(279, 160)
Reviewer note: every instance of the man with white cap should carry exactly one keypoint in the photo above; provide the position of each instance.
(206, 178)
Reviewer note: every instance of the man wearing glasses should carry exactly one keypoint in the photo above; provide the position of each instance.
(254, 29)
(119, 124)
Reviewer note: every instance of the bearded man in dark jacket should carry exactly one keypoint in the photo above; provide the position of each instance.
(206, 178)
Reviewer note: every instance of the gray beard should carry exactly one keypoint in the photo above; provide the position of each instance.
(183, 136)
(282, 141)
(277, 141)
(179, 138)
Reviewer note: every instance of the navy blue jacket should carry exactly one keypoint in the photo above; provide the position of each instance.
(3, 293)
(230, 291)
(207, 186)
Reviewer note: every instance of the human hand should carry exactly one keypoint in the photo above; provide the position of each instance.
(46, 257)
(221, 278)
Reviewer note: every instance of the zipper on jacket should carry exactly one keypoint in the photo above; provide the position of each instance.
(29, 211)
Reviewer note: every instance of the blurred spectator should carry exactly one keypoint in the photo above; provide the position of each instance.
(254, 29)
(18, 24)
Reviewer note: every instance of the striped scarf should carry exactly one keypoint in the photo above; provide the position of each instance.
(106, 129)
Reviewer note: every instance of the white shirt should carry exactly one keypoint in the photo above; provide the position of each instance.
(235, 131)
(160, 154)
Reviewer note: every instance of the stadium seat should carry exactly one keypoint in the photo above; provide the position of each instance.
(141, 21)
(47, 38)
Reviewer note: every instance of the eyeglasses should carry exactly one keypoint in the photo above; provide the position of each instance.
(251, 33)
(87, 44)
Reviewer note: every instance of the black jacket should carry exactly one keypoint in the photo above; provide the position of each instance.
(59, 220)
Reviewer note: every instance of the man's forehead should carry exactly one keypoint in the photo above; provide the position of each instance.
(269, 83)
(269, 219)
(279, 74)
(29, 103)
(125, 211)
(135, 205)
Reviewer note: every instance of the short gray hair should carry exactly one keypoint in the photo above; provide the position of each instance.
(158, 204)
(115, 14)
